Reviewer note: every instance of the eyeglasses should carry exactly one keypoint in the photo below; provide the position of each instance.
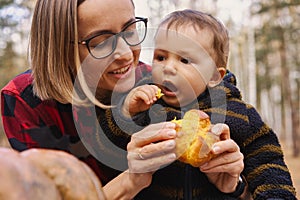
(104, 44)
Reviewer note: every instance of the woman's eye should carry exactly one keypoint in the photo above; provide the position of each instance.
(129, 33)
(185, 61)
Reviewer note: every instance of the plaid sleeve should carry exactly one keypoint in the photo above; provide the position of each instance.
(142, 70)
(17, 116)
(29, 122)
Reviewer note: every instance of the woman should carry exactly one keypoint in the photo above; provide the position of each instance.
(100, 36)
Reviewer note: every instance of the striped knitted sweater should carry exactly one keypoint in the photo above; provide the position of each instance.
(264, 167)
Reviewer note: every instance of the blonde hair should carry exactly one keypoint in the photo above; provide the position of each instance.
(202, 20)
(54, 57)
(54, 54)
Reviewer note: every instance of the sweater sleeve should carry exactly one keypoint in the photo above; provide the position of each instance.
(119, 128)
(265, 169)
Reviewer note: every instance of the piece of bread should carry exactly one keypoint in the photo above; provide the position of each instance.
(20, 179)
(46, 174)
(194, 141)
(159, 94)
(73, 179)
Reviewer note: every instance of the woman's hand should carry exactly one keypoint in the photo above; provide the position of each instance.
(149, 150)
(152, 148)
(224, 170)
(139, 99)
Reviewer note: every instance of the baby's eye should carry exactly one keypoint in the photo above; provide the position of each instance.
(160, 58)
(185, 60)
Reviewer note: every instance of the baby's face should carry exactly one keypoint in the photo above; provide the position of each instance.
(182, 65)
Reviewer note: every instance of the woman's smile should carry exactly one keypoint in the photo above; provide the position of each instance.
(122, 72)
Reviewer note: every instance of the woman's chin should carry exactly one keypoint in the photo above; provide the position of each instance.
(124, 85)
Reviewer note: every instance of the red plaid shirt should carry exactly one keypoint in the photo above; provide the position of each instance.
(32, 123)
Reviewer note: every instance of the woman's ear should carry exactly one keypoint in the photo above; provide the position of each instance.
(217, 77)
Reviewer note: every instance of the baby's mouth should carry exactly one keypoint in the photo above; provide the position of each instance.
(168, 88)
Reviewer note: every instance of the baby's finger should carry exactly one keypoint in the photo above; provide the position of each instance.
(143, 95)
(150, 91)
(154, 89)
(225, 146)
(224, 159)
(234, 167)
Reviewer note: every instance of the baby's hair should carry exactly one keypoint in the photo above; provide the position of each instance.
(201, 20)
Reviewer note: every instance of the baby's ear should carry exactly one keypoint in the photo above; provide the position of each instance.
(217, 77)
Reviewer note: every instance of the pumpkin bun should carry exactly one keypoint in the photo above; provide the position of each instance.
(46, 174)
(194, 141)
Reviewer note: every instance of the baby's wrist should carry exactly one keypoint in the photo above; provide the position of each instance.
(125, 112)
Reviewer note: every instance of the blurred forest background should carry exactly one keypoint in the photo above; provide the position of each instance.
(265, 46)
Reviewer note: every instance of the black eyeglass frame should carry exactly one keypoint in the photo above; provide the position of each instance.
(116, 35)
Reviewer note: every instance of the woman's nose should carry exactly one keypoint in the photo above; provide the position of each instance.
(122, 48)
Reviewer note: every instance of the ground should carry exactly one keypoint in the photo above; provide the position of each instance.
(293, 165)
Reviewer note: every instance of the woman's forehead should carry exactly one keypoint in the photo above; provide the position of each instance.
(103, 15)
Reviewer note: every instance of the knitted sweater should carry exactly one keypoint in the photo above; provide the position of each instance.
(264, 167)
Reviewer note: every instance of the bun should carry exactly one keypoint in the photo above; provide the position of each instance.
(194, 141)
(20, 179)
(46, 174)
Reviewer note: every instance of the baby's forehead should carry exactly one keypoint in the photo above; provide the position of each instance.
(185, 27)
(184, 38)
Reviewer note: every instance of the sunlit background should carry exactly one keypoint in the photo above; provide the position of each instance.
(264, 54)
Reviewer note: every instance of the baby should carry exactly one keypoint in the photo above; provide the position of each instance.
(190, 56)
(189, 71)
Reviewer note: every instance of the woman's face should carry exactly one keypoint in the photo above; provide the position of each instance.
(117, 71)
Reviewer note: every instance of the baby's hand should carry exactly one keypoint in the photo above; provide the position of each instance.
(140, 99)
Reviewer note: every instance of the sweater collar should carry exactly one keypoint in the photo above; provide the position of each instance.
(220, 94)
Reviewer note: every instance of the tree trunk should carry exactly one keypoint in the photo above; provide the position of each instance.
(252, 66)
(288, 93)
(296, 120)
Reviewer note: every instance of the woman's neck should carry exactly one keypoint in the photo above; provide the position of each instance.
(104, 96)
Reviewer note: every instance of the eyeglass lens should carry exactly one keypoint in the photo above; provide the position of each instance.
(103, 45)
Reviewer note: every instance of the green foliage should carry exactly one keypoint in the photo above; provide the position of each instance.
(13, 16)
(5, 2)
(277, 53)
(268, 6)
